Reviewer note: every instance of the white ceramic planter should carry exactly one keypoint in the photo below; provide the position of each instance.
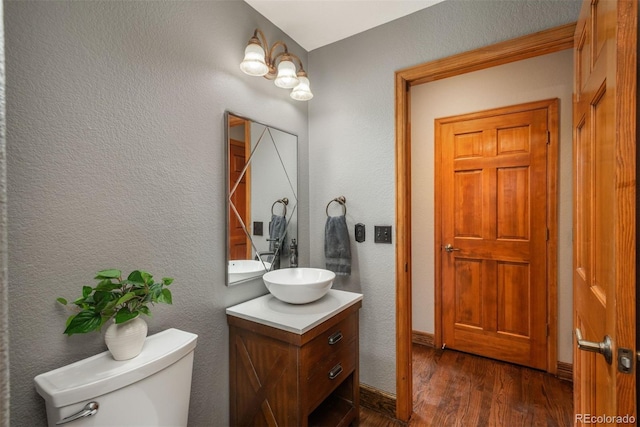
(125, 340)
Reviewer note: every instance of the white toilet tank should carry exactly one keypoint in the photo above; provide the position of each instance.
(152, 389)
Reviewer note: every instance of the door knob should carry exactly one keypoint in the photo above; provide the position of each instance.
(449, 248)
(603, 347)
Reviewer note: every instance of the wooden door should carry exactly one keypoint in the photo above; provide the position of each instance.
(494, 218)
(604, 282)
(239, 244)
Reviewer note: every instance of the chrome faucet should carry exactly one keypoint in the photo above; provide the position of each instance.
(275, 263)
(293, 254)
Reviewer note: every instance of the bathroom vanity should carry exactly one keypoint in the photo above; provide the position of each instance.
(295, 365)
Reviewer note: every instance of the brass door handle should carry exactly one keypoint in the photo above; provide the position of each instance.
(603, 347)
(449, 248)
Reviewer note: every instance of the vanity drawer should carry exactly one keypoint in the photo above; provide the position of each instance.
(329, 373)
(327, 344)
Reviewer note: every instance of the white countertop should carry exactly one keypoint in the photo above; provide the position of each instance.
(270, 311)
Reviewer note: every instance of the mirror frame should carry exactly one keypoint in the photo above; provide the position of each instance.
(294, 212)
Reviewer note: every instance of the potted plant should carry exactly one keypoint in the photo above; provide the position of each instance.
(120, 300)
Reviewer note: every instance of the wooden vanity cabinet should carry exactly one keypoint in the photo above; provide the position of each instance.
(281, 378)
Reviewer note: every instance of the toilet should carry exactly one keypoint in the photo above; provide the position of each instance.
(152, 389)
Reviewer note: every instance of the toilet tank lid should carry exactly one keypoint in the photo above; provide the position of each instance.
(100, 374)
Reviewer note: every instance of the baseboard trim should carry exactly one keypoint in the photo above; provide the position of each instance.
(378, 400)
(564, 371)
(422, 338)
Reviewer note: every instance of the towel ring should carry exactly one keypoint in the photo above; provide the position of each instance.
(284, 202)
(341, 200)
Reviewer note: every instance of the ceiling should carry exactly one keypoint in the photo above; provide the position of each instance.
(316, 23)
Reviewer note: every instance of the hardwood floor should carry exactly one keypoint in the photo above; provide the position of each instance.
(458, 389)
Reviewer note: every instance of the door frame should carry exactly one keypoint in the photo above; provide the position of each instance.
(536, 44)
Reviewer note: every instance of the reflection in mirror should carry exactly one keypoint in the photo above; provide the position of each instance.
(262, 217)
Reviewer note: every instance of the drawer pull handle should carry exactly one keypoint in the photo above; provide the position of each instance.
(335, 371)
(335, 338)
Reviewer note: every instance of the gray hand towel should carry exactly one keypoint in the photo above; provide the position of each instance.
(278, 229)
(337, 250)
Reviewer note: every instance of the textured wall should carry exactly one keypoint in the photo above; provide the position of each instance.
(4, 286)
(535, 79)
(351, 131)
(116, 159)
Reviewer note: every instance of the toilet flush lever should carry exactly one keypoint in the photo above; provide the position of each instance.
(89, 409)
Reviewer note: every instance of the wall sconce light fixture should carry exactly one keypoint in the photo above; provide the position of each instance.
(259, 60)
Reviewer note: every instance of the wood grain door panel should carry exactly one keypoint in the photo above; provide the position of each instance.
(238, 242)
(604, 160)
(494, 205)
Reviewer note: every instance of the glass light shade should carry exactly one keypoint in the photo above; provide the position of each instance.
(287, 77)
(253, 62)
(302, 92)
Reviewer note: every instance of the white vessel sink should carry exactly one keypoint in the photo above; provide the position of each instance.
(299, 285)
(242, 269)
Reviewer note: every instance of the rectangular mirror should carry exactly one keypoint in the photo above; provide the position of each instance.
(262, 186)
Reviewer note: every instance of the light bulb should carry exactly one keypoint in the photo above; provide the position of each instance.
(287, 77)
(253, 62)
(302, 92)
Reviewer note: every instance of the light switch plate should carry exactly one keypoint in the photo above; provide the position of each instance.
(382, 234)
(360, 232)
(257, 228)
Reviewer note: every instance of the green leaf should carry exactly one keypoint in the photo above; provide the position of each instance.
(126, 297)
(139, 276)
(167, 280)
(107, 285)
(140, 291)
(79, 301)
(103, 299)
(155, 290)
(109, 274)
(83, 322)
(135, 285)
(102, 295)
(146, 276)
(148, 298)
(62, 301)
(107, 313)
(165, 297)
(86, 291)
(107, 301)
(124, 315)
(145, 310)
